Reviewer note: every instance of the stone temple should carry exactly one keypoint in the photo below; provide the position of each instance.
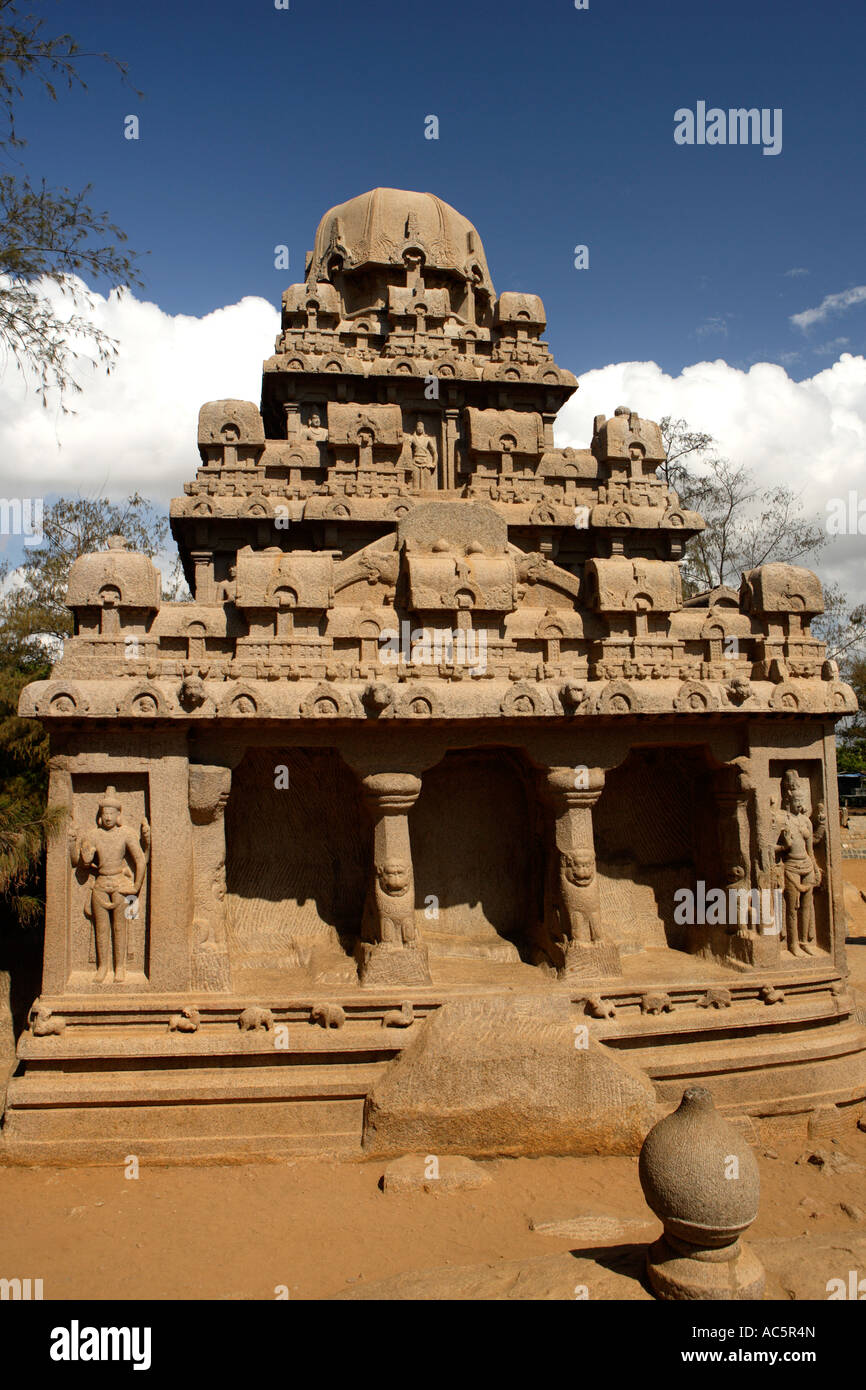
(439, 817)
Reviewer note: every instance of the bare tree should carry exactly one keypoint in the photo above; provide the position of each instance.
(50, 236)
(746, 524)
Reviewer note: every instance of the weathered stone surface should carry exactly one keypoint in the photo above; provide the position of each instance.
(503, 1075)
(592, 1229)
(701, 1178)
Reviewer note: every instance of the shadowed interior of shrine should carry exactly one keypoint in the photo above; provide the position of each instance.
(480, 841)
(297, 849)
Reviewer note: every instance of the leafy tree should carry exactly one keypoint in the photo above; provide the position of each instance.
(746, 524)
(50, 236)
(36, 610)
(24, 822)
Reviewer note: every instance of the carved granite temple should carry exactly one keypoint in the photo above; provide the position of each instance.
(438, 735)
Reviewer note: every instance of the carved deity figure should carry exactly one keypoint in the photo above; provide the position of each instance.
(422, 447)
(795, 848)
(227, 589)
(111, 848)
(578, 904)
(314, 429)
(391, 907)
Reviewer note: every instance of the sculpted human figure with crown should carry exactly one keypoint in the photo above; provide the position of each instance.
(114, 895)
(422, 448)
(801, 871)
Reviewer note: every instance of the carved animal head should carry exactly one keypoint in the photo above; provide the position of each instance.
(394, 877)
(578, 869)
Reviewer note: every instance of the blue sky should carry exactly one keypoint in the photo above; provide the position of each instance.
(556, 128)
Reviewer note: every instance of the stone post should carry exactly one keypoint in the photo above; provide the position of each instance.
(203, 582)
(389, 952)
(452, 430)
(753, 929)
(573, 906)
(209, 788)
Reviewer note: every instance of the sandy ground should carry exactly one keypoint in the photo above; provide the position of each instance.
(326, 1228)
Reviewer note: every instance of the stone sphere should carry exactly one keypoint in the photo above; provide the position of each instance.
(698, 1174)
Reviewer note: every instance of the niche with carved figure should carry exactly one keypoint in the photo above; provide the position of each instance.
(109, 844)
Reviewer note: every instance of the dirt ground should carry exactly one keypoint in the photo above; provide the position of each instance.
(320, 1229)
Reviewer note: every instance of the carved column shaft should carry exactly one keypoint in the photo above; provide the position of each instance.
(732, 796)
(389, 952)
(209, 788)
(573, 792)
(573, 909)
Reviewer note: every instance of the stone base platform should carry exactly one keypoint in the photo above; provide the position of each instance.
(782, 1050)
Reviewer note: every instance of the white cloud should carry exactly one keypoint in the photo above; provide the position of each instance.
(137, 427)
(831, 349)
(830, 304)
(717, 324)
(808, 435)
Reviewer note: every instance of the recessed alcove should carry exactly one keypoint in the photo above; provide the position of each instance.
(297, 863)
(477, 862)
(655, 832)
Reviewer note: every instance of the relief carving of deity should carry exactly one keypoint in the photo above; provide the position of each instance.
(119, 859)
(422, 447)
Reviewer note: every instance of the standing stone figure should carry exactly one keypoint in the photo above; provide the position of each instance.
(114, 896)
(424, 457)
(801, 872)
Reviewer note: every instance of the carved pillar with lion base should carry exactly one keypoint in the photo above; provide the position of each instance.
(573, 933)
(389, 952)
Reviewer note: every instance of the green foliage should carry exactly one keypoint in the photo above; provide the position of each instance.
(71, 527)
(851, 756)
(24, 822)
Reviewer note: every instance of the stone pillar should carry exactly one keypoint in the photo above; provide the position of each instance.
(751, 923)
(203, 581)
(573, 906)
(209, 788)
(57, 954)
(389, 952)
(452, 429)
